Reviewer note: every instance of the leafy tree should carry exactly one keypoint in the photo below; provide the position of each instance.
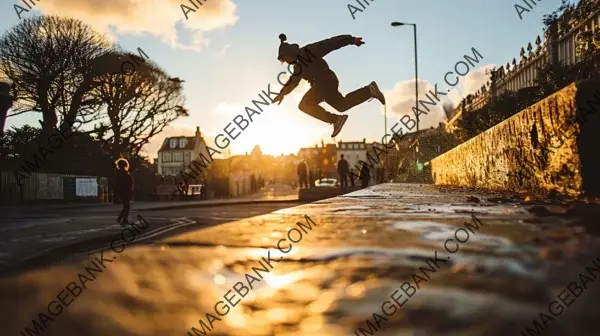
(14, 142)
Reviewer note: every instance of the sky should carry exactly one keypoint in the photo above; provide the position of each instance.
(226, 51)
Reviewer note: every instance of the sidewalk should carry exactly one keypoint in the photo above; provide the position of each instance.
(393, 259)
(262, 196)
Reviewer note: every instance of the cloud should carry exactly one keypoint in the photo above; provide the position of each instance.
(474, 80)
(155, 17)
(223, 51)
(401, 98)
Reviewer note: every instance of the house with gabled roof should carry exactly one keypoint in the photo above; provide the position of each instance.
(177, 152)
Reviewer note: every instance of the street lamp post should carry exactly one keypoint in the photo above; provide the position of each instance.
(397, 24)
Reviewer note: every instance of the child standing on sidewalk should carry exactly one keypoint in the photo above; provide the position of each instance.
(123, 189)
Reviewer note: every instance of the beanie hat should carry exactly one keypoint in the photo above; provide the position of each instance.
(286, 49)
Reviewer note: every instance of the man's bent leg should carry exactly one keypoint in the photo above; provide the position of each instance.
(310, 105)
(352, 99)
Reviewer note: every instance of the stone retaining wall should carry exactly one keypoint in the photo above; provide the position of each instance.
(526, 152)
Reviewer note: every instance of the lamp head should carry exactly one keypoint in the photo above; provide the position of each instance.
(396, 24)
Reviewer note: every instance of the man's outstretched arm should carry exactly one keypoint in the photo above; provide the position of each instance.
(289, 86)
(324, 47)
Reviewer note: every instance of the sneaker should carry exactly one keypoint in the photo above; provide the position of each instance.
(376, 93)
(124, 222)
(338, 124)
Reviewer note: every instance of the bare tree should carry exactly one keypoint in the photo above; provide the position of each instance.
(47, 59)
(139, 105)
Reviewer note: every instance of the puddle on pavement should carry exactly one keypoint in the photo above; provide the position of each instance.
(441, 232)
(353, 282)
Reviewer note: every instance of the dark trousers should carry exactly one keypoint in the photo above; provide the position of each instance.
(303, 181)
(364, 182)
(326, 90)
(344, 180)
(124, 214)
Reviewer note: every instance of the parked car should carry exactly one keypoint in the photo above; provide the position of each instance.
(326, 183)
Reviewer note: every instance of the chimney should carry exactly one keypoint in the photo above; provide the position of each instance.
(364, 140)
(198, 131)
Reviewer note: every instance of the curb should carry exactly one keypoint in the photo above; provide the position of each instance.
(166, 207)
(195, 205)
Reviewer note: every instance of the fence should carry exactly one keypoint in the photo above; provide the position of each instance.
(559, 46)
(47, 187)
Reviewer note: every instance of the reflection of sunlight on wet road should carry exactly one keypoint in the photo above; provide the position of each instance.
(360, 253)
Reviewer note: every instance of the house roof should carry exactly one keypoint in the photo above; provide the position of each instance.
(166, 146)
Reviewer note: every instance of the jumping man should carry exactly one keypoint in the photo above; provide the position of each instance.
(324, 83)
(123, 189)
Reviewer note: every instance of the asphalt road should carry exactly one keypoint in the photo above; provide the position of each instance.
(50, 237)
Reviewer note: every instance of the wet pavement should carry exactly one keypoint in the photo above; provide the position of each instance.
(350, 262)
(47, 237)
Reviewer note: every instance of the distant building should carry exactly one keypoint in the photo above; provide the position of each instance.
(177, 152)
(353, 151)
(309, 155)
(322, 158)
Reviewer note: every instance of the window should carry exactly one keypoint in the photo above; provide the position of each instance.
(166, 157)
(178, 157)
(186, 157)
(173, 143)
(171, 171)
(182, 142)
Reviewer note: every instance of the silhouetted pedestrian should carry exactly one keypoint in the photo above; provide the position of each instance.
(181, 190)
(205, 188)
(253, 183)
(342, 168)
(364, 175)
(123, 189)
(303, 174)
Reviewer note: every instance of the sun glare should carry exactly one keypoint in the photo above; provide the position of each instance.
(282, 129)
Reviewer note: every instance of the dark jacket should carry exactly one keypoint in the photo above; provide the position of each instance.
(302, 169)
(365, 172)
(123, 184)
(342, 167)
(311, 66)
